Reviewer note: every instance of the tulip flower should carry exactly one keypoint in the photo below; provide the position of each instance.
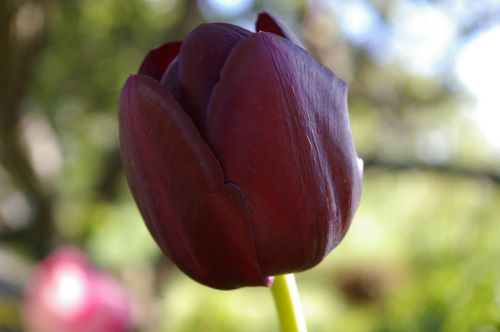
(238, 151)
(67, 294)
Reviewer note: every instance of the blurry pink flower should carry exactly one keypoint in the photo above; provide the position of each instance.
(67, 294)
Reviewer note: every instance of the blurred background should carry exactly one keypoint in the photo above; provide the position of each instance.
(423, 252)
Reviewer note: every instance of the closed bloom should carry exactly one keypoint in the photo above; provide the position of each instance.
(67, 294)
(238, 151)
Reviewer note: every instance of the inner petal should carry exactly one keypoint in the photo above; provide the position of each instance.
(201, 58)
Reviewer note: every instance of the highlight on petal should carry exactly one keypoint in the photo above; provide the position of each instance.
(157, 60)
(202, 56)
(278, 123)
(269, 23)
(179, 187)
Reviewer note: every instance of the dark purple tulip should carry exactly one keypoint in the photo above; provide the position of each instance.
(238, 151)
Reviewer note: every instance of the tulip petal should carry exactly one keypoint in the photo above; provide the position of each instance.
(157, 60)
(269, 23)
(216, 226)
(179, 187)
(171, 81)
(201, 58)
(278, 123)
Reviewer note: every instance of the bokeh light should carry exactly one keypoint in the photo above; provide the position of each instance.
(478, 69)
(225, 7)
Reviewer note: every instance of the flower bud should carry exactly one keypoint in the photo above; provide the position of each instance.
(238, 151)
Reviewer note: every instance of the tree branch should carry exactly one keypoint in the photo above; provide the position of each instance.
(445, 169)
(18, 54)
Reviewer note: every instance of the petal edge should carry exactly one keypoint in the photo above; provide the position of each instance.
(269, 23)
(157, 60)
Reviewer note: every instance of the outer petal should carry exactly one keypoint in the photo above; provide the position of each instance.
(278, 123)
(157, 60)
(269, 23)
(201, 58)
(179, 188)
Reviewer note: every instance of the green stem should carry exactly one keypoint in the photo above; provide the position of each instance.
(287, 301)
